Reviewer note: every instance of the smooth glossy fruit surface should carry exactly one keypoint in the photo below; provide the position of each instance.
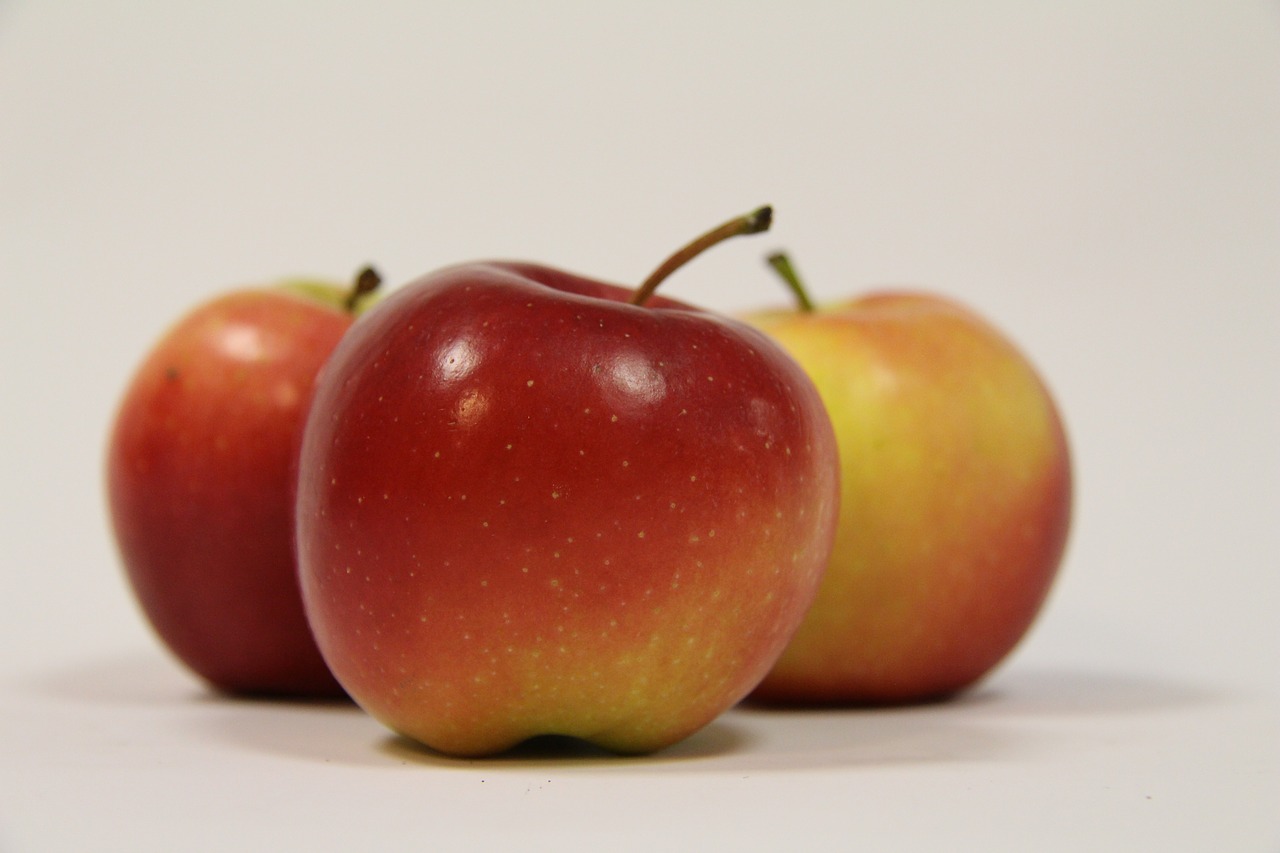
(528, 507)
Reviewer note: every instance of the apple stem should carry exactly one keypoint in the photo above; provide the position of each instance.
(367, 281)
(782, 265)
(752, 223)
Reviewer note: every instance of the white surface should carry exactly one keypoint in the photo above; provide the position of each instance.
(1099, 178)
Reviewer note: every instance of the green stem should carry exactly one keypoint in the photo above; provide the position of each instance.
(752, 223)
(782, 264)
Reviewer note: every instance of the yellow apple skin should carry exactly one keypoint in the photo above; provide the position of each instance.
(955, 500)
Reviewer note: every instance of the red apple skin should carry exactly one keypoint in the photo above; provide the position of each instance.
(527, 508)
(956, 500)
(200, 485)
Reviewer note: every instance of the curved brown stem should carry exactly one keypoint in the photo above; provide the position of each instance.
(754, 222)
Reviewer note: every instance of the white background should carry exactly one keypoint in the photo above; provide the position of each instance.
(1102, 179)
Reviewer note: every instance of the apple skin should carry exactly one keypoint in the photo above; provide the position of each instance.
(200, 485)
(527, 508)
(956, 500)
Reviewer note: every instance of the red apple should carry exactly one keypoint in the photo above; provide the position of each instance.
(530, 505)
(956, 499)
(200, 483)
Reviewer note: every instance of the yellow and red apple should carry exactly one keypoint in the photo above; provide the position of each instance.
(955, 500)
(529, 505)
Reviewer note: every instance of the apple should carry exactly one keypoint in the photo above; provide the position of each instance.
(200, 482)
(531, 503)
(955, 500)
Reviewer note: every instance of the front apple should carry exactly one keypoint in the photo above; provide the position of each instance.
(527, 507)
(956, 500)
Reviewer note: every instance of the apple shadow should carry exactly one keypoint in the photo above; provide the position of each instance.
(326, 732)
(160, 692)
(1019, 713)
(1056, 692)
(136, 679)
(1080, 693)
(987, 723)
(150, 680)
(330, 731)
